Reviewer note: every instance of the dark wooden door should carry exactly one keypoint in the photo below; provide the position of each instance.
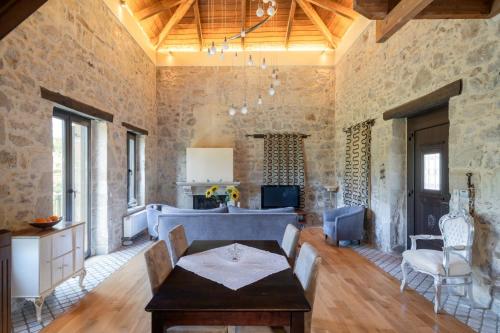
(428, 189)
(5, 283)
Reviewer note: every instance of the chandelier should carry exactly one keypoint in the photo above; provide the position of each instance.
(212, 50)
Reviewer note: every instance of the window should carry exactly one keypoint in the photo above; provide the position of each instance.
(132, 169)
(432, 171)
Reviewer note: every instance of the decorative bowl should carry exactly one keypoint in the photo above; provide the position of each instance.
(46, 225)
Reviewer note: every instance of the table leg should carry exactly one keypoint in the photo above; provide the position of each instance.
(297, 322)
(156, 323)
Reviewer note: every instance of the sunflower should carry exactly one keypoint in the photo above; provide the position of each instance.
(214, 188)
(235, 196)
(209, 193)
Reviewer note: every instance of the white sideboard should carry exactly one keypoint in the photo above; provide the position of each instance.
(43, 259)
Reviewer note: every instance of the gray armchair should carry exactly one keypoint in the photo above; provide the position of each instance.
(345, 223)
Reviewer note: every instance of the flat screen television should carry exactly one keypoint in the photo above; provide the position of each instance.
(278, 196)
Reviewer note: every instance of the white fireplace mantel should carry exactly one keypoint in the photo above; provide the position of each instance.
(194, 188)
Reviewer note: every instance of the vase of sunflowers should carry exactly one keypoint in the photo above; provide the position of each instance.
(231, 195)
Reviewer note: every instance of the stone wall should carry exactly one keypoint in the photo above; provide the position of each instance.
(421, 57)
(193, 105)
(77, 48)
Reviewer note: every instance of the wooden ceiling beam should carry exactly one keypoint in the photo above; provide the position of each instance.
(156, 8)
(197, 18)
(172, 22)
(404, 11)
(438, 9)
(243, 21)
(14, 12)
(335, 7)
(318, 22)
(291, 14)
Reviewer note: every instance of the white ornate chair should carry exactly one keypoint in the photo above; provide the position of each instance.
(450, 267)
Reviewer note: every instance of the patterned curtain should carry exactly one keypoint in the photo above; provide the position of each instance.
(357, 164)
(284, 161)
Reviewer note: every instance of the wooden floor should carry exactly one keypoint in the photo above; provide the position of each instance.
(353, 295)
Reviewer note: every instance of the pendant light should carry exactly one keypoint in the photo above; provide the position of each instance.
(260, 10)
(222, 54)
(276, 81)
(244, 108)
(263, 65)
(225, 46)
(232, 110)
(213, 49)
(259, 100)
(271, 90)
(271, 10)
(250, 61)
(274, 74)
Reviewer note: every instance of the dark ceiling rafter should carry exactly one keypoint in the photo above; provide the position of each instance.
(14, 12)
(391, 15)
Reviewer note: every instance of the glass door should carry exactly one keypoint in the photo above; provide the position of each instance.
(71, 169)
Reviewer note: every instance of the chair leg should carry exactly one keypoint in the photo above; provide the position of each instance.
(468, 291)
(437, 297)
(405, 274)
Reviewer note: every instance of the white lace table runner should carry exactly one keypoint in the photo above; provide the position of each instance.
(218, 265)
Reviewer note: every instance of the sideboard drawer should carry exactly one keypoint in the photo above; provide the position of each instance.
(67, 265)
(57, 270)
(62, 243)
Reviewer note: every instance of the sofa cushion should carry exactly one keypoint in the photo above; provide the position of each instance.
(238, 210)
(174, 210)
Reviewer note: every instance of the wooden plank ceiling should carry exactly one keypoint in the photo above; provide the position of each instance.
(191, 24)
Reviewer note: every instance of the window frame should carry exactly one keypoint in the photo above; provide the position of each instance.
(132, 201)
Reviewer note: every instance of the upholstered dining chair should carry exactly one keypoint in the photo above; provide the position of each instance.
(306, 269)
(178, 242)
(159, 266)
(289, 243)
(450, 267)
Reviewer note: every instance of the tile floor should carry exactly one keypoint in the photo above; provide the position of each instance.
(69, 293)
(480, 320)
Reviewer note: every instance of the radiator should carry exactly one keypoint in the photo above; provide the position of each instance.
(134, 224)
(5, 272)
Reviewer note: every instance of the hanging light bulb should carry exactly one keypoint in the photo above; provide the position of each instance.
(244, 108)
(274, 74)
(260, 11)
(263, 65)
(213, 49)
(222, 54)
(271, 10)
(273, 3)
(276, 81)
(225, 46)
(123, 3)
(232, 110)
(265, 1)
(243, 33)
(208, 51)
(250, 61)
(259, 100)
(271, 90)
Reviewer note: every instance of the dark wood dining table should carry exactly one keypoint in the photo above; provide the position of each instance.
(186, 298)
